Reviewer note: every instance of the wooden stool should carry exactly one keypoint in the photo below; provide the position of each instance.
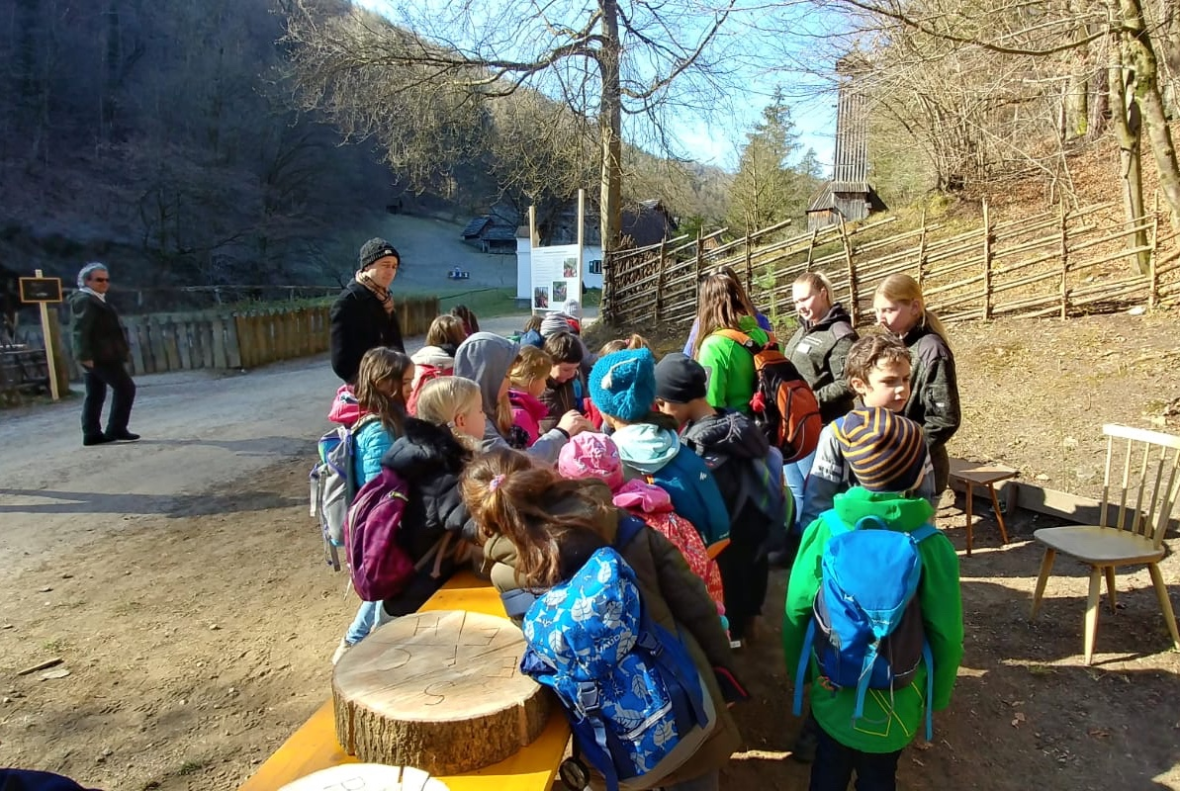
(971, 475)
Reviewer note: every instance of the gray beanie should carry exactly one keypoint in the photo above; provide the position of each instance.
(374, 249)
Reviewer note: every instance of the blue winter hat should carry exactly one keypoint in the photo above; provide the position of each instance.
(623, 384)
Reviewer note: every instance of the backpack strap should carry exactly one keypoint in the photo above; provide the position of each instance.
(924, 532)
(629, 527)
(928, 656)
(804, 661)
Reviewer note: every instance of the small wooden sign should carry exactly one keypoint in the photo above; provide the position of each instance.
(40, 289)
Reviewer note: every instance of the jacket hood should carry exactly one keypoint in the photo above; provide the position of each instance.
(835, 315)
(640, 496)
(750, 326)
(646, 447)
(899, 510)
(424, 451)
(438, 356)
(533, 406)
(728, 433)
(485, 359)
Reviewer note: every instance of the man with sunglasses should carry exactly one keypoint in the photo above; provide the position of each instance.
(100, 347)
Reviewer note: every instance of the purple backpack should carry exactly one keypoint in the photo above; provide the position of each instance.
(380, 568)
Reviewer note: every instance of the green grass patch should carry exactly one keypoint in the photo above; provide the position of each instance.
(190, 767)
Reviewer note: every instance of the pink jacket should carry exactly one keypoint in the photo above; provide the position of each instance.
(345, 409)
(527, 412)
(653, 505)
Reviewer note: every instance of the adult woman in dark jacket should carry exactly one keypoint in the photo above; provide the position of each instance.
(101, 349)
(820, 345)
(363, 317)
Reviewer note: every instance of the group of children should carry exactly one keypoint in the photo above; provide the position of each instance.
(538, 452)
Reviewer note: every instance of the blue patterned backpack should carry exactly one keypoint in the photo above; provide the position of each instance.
(637, 704)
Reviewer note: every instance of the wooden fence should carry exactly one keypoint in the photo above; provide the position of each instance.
(1061, 263)
(241, 339)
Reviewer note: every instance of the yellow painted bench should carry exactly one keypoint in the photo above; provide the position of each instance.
(314, 747)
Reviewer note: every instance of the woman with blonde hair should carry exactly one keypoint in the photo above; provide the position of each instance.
(934, 389)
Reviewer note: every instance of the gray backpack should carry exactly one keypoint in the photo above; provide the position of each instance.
(334, 485)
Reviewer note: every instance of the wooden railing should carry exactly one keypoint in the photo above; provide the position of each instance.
(1059, 263)
(248, 338)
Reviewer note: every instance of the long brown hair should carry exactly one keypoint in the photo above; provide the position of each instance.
(722, 302)
(382, 368)
(445, 329)
(903, 288)
(467, 316)
(507, 495)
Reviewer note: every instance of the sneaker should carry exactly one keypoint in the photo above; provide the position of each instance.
(341, 650)
(96, 439)
(122, 436)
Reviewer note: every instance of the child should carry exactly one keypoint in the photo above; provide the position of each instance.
(539, 530)
(591, 455)
(560, 394)
(382, 384)
(531, 334)
(485, 358)
(722, 310)
(886, 453)
(635, 341)
(878, 369)
(467, 316)
(528, 376)
(736, 451)
(430, 455)
(934, 390)
(437, 357)
(623, 387)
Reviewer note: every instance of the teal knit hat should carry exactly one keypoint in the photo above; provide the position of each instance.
(623, 384)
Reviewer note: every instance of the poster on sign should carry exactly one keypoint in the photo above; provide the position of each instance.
(554, 276)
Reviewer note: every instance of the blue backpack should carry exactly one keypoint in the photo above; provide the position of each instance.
(866, 629)
(637, 704)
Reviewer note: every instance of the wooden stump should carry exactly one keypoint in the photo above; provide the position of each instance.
(438, 690)
(367, 777)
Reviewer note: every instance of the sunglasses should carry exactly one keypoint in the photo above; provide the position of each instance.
(101, 279)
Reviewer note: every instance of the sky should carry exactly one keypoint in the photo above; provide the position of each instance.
(778, 47)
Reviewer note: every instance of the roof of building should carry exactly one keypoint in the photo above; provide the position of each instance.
(474, 227)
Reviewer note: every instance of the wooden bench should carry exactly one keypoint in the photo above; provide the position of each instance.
(314, 747)
(970, 475)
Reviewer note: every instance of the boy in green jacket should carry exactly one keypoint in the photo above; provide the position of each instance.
(886, 454)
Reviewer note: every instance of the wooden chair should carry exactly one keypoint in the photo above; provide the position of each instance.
(1138, 533)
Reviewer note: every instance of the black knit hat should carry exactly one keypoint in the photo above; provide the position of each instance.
(374, 249)
(885, 451)
(680, 379)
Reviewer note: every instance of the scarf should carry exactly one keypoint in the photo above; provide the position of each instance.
(365, 279)
(93, 293)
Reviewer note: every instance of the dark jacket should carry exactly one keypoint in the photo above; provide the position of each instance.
(558, 398)
(733, 448)
(430, 460)
(673, 597)
(819, 352)
(934, 387)
(359, 323)
(98, 333)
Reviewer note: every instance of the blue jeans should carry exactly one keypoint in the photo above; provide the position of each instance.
(795, 473)
(364, 622)
(835, 763)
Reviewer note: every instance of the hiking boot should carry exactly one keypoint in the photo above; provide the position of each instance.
(96, 439)
(807, 742)
(122, 436)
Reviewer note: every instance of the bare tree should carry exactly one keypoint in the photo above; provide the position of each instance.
(438, 60)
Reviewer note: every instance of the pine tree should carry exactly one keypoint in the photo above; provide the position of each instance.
(767, 188)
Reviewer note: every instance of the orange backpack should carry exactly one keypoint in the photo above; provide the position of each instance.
(784, 406)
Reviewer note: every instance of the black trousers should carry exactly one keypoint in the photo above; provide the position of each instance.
(835, 764)
(97, 379)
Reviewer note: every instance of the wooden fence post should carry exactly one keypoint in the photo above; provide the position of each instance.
(660, 283)
(1064, 262)
(749, 263)
(1153, 282)
(922, 262)
(853, 291)
(987, 263)
(811, 248)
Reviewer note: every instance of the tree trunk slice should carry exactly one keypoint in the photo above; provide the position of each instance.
(438, 690)
(367, 777)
